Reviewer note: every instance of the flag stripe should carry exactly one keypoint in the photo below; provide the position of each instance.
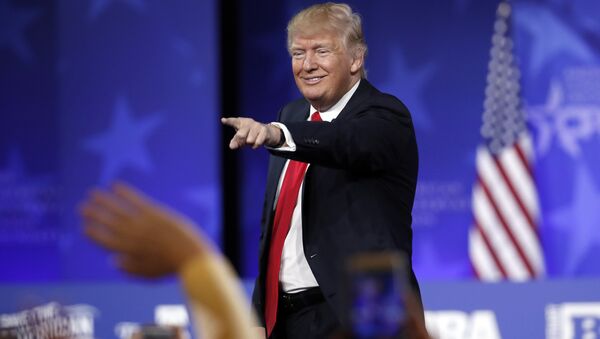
(526, 146)
(523, 184)
(500, 242)
(486, 261)
(504, 225)
(521, 153)
(508, 182)
(512, 218)
(526, 232)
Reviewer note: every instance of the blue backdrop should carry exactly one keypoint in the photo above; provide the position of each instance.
(96, 91)
(434, 56)
(559, 47)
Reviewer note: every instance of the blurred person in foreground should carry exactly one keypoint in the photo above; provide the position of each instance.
(150, 240)
(342, 176)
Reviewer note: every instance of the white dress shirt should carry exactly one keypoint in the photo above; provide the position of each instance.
(295, 274)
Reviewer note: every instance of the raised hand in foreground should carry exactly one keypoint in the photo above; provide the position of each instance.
(149, 240)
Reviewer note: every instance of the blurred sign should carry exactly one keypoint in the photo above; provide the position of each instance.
(96, 310)
(573, 320)
(49, 321)
(542, 309)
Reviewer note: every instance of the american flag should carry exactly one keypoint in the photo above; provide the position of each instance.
(504, 240)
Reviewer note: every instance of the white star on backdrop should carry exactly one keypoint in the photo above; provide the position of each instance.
(123, 144)
(580, 220)
(407, 83)
(550, 36)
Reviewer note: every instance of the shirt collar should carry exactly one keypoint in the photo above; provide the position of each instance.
(336, 109)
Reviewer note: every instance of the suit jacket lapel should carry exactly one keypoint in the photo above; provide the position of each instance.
(361, 94)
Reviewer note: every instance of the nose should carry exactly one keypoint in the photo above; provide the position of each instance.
(309, 63)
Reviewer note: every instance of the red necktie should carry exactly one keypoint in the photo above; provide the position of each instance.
(286, 203)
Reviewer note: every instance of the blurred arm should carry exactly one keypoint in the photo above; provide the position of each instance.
(150, 240)
(218, 300)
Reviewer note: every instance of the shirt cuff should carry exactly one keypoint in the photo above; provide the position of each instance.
(289, 145)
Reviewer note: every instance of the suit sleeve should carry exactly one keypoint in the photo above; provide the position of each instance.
(375, 139)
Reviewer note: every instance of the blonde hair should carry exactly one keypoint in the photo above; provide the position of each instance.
(335, 17)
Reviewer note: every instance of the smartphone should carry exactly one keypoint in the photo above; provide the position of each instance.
(376, 283)
(157, 332)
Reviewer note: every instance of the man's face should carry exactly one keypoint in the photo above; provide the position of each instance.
(323, 69)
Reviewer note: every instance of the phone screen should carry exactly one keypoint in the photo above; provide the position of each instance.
(157, 332)
(377, 308)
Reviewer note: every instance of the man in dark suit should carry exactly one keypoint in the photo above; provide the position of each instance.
(341, 180)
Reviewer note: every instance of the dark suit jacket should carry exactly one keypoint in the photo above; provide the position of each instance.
(358, 191)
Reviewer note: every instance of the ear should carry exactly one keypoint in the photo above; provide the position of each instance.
(358, 58)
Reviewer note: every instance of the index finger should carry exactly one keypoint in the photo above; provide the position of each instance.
(233, 122)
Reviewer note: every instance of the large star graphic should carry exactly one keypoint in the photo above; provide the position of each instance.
(13, 24)
(580, 220)
(550, 36)
(123, 145)
(97, 7)
(408, 84)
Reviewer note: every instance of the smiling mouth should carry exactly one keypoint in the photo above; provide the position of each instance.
(312, 80)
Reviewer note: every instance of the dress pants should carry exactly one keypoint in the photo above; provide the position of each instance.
(311, 322)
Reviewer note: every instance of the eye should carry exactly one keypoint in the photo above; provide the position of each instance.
(297, 54)
(322, 51)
